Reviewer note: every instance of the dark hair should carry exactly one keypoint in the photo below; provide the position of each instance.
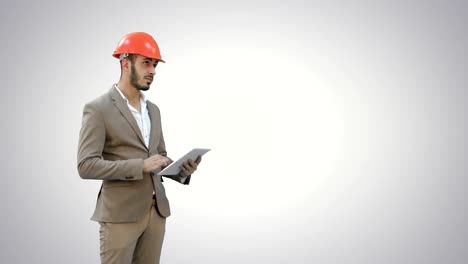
(131, 58)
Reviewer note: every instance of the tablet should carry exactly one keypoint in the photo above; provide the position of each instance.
(173, 168)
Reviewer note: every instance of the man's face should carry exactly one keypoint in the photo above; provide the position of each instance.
(142, 72)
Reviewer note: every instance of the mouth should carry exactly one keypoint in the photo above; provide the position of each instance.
(149, 78)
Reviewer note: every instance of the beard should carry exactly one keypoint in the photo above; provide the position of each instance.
(134, 77)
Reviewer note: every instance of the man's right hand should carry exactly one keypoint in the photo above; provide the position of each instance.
(155, 162)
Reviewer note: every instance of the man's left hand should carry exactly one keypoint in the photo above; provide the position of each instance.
(189, 167)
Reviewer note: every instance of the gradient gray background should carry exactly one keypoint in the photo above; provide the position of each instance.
(338, 128)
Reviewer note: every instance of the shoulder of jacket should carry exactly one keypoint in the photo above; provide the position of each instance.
(104, 99)
(151, 104)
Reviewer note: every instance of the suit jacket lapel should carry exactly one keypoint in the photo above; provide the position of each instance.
(120, 103)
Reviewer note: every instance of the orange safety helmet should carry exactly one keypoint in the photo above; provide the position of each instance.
(138, 43)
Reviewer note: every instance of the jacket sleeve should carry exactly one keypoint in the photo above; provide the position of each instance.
(91, 164)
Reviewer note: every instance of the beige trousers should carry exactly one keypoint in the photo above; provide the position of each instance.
(133, 243)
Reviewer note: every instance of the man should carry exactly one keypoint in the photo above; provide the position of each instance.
(121, 143)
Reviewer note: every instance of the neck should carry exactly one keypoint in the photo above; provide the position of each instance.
(132, 93)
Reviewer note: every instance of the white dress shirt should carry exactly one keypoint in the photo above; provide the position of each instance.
(141, 117)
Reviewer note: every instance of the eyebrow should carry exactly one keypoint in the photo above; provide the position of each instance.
(155, 63)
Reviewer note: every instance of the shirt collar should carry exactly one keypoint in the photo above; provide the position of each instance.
(142, 95)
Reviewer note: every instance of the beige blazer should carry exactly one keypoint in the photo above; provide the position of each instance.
(111, 148)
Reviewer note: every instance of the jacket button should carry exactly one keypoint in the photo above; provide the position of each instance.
(151, 174)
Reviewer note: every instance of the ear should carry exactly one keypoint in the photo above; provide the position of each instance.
(125, 64)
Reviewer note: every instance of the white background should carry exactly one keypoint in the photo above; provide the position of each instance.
(337, 128)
